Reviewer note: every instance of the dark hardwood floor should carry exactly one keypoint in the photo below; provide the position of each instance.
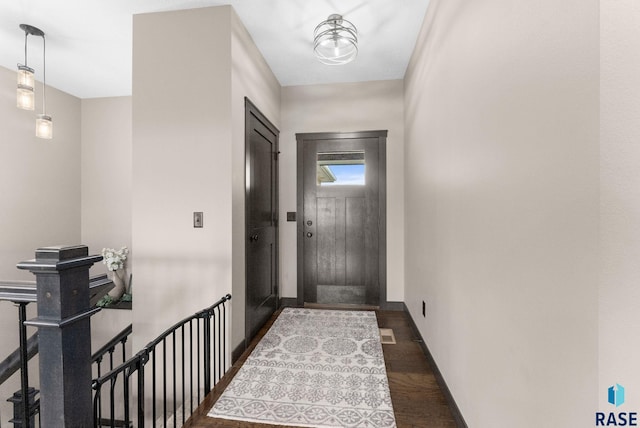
(416, 396)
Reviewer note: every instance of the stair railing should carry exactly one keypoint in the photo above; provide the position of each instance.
(186, 360)
(21, 293)
(110, 348)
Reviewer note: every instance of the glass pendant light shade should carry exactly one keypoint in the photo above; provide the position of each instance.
(25, 76)
(44, 127)
(25, 95)
(335, 41)
(26, 98)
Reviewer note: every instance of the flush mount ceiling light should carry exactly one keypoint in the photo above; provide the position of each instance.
(26, 84)
(335, 41)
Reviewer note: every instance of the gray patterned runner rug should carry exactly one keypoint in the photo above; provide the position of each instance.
(313, 368)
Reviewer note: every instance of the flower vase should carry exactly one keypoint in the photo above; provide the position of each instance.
(116, 292)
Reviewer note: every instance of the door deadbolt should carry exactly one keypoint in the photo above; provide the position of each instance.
(309, 222)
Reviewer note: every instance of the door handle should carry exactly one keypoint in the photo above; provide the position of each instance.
(309, 234)
(254, 238)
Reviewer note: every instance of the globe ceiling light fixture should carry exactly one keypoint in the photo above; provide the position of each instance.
(335, 41)
(26, 82)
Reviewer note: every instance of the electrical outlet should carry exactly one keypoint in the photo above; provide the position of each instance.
(424, 309)
(197, 219)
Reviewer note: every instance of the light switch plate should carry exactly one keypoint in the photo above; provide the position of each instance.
(197, 219)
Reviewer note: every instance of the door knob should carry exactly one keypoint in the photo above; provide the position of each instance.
(309, 234)
(254, 238)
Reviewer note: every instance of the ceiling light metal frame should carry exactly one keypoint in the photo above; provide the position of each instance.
(335, 41)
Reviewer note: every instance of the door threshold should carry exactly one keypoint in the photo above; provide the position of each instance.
(341, 306)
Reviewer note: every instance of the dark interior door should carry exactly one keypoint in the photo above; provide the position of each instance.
(341, 233)
(261, 220)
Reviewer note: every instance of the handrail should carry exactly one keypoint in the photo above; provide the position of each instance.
(147, 348)
(18, 291)
(110, 345)
(136, 366)
(25, 291)
(99, 285)
(11, 364)
(199, 314)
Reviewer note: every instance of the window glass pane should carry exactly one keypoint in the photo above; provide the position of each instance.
(342, 168)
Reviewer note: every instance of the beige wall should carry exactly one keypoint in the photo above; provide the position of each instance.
(181, 164)
(106, 194)
(188, 155)
(40, 183)
(39, 196)
(106, 173)
(501, 108)
(619, 200)
(344, 107)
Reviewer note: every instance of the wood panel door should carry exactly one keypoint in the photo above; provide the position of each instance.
(341, 241)
(261, 236)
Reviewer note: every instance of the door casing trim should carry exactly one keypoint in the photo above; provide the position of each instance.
(251, 109)
(301, 138)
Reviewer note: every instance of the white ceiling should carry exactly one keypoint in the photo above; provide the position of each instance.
(89, 41)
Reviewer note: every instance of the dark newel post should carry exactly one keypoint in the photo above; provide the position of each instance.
(64, 330)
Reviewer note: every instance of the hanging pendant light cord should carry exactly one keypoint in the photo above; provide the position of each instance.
(44, 75)
(25, 48)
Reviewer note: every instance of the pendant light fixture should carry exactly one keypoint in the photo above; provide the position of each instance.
(26, 85)
(44, 124)
(335, 41)
(26, 82)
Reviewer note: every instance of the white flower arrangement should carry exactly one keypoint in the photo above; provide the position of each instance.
(114, 259)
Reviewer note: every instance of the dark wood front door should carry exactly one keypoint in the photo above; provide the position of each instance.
(261, 220)
(341, 240)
